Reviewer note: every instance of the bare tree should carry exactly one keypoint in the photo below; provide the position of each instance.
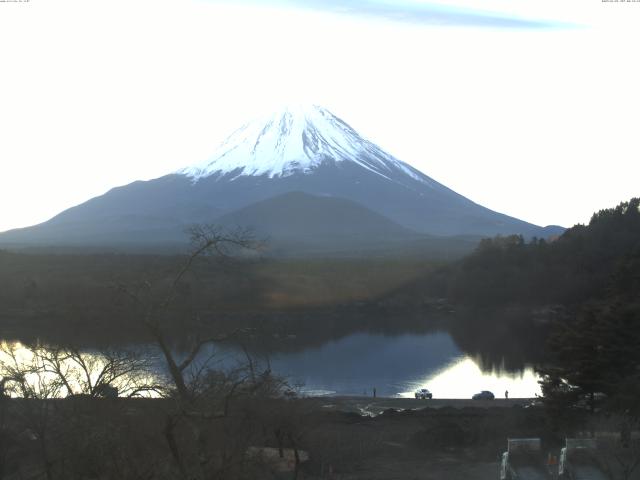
(53, 372)
(106, 373)
(4, 430)
(41, 376)
(217, 413)
(204, 395)
(206, 241)
(23, 375)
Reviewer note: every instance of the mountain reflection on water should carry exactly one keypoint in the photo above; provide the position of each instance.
(395, 365)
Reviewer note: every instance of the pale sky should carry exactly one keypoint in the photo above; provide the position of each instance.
(529, 107)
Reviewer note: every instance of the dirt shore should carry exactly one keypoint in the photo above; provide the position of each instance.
(375, 406)
(401, 438)
(345, 438)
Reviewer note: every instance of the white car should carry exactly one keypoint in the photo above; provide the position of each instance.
(423, 394)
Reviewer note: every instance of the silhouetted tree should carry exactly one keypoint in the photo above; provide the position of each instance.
(204, 396)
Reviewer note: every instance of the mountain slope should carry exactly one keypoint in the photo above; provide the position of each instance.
(296, 223)
(298, 215)
(297, 150)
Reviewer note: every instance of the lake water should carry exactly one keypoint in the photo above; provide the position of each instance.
(394, 365)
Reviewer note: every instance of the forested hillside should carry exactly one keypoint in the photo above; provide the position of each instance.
(591, 261)
(578, 298)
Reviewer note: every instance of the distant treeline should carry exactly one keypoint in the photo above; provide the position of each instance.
(80, 297)
(570, 305)
(587, 262)
(515, 300)
(499, 302)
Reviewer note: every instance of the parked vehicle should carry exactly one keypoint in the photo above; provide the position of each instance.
(484, 395)
(578, 460)
(523, 460)
(423, 394)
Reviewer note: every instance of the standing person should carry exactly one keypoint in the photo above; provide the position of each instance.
(374, 392)
(552, 466)
(506, 394)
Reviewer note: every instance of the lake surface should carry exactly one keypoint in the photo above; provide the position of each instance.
(394, 365)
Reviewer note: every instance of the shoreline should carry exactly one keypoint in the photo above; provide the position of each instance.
(370, 406)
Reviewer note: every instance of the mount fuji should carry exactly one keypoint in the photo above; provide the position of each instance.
(301, 175)
(298, 140)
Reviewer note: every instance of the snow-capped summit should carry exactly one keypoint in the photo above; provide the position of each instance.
(296, 139)
(302, 177)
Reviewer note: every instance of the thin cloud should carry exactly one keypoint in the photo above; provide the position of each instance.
(411, 12)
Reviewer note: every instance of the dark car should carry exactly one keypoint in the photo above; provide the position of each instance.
(484, 395)
(423, 394)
